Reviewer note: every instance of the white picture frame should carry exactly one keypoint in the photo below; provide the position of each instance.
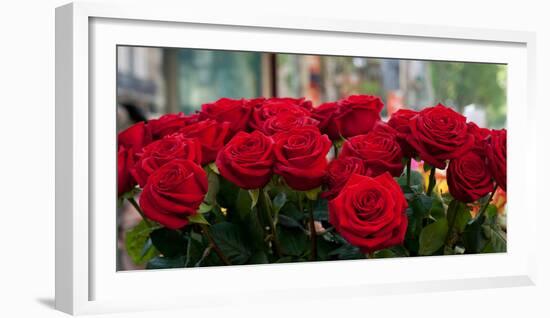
(86, 279)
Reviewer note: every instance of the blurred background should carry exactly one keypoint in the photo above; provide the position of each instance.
(155, 81)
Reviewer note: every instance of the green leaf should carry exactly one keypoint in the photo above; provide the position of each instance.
(320, 210)
(254, 195)
(197, 219)
(437, 210)
(433, 237)
(473, 237)
(347, 252)
(259, 257)
(421, 205)
(204, 207)
(291, 210)
(136, 243)
(214, 167)
(229, 239)
(279, 201)
(169, 242)
(289, 222)
(496, 239)
(244, 203)
(458, 215)
(160, 262)
(213, 188)
(293, 241)
(313, 193)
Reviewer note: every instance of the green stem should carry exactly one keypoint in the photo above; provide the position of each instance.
(431, 184)
(409, 172)
(482, 211)
(335, 150)
(138, 209)
(267, 209)
(313, 233)
(215, 246)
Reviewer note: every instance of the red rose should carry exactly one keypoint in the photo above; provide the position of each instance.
(357, 114)
(271, 107)
(169, 124)
(234, 111)
(211, 135)
(125, 162)
(400, 122)
(135, 137)
(247, 160)
(496, 156)
(468, 177)
(480, 137)
(285, 122)
(325, 113)
(173, 193)
(438, 134)
(339, 171)
(300, 156)
(162, 151)
(130, 142)
(370, 212)
(379, 150)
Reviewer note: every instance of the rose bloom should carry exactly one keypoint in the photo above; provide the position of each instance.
(400, 122)
(339, 171)
(173, 193)
(285, 122)
(370, 212)
(480, 137)
(234, 111)
(496, 156)
(325, 113)
(247, 160)
(130, 142)
(212, 136)
(438, 134)
(300, 157)
(125, 162)
(357, 114)
(265, 109)
(378, 149)
(468, 177)
(162, 151)
(169, 124)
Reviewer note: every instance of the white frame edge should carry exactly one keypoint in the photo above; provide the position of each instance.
(71, 128)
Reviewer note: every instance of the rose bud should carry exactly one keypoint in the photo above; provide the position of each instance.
(370, 212)
(357, 114)
(438, 134)
(247, 160)
(339, 171)
(135, 137)
(378, 149)
(496, 156)
(468, 177)
(173, 193)
(234, 111)
(300, 157)
(211, 136)
(162, 151)
(400, 122)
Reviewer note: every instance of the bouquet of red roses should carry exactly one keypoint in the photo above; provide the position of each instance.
(253, 181)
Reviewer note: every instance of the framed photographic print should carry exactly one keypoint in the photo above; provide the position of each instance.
(250, 155)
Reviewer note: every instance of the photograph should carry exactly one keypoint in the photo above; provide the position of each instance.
(241, 158)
